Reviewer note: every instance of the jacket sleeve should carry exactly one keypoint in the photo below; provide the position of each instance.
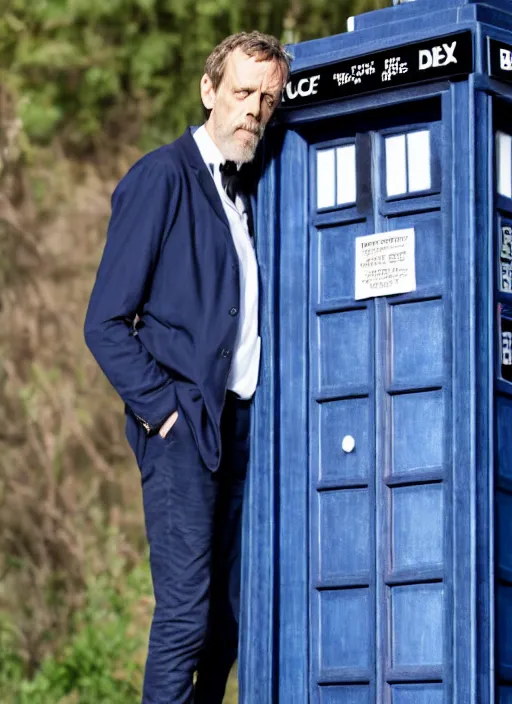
(143, 206)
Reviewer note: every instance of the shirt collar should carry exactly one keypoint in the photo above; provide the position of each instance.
(209, 150)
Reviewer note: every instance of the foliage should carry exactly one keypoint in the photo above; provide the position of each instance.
(102, 662)
(66, 479)
(97, 72)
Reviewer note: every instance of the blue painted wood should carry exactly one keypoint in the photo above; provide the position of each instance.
(341, 536)
(502, 488)
(485, 413)
(293, 618)
(505, 695)
(390, 567)
(257, 655)
(412, 387)
(423, 645)
(420, 8)
(418, 694)
(417, 519)
(347, 694)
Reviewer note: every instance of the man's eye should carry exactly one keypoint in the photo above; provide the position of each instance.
(242, 93)
(270, 101)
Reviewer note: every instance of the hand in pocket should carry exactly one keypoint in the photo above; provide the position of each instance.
(168, 424)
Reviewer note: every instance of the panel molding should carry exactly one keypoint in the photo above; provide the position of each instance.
(293, 237)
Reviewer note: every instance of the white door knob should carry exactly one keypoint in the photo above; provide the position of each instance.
(348, 443)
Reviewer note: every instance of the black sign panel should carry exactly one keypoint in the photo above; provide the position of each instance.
(500, 60)
(505, 326)
(441, 57)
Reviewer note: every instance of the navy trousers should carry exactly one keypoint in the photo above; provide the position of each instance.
(193, 525)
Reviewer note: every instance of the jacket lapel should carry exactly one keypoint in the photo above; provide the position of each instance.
(209, 189)
(193, 158)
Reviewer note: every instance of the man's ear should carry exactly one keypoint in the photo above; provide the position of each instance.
(207, 92)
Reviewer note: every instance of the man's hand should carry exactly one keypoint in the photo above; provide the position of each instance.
(167, 425)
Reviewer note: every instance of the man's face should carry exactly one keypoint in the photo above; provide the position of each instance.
(243, 104)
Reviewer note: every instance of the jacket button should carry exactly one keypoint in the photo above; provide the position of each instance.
(233, 311)
(225, 353)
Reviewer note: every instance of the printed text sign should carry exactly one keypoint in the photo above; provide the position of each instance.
(506, 259)
(385, 264)
(500, 60)
(442, 57)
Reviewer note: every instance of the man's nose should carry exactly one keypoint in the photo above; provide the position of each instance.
(254, 105)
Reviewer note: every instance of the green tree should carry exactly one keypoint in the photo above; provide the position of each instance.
(99, 73)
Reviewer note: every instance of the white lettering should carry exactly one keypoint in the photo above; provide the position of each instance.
(450, 53)
(392, 67)
(506, 349)
(437, 56)
(441, 55)
(289, 92)
(302, 91)
(506, 60)
(314, 84)
(425, 59)
(305, 88)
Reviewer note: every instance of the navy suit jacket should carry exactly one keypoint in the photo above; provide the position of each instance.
(169, 259)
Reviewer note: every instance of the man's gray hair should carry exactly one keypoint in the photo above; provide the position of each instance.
(264, 46)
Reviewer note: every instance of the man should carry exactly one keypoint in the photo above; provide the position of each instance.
(173, 322)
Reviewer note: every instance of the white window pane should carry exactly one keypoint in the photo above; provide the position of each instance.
(325, 178)
(418, 158)
(504, 163)
(396, 178)
(346, 164)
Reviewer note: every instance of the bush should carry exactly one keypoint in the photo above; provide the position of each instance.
(103, 661)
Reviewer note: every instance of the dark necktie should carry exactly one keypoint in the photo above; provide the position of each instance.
(230, 179)
(232, 183)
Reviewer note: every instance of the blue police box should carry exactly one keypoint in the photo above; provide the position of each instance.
(378, 523)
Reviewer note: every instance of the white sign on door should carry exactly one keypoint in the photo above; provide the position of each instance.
(385, 264)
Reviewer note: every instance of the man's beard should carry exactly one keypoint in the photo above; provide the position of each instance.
(232, 149)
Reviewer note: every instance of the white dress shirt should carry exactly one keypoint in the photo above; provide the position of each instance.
(243, 375)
